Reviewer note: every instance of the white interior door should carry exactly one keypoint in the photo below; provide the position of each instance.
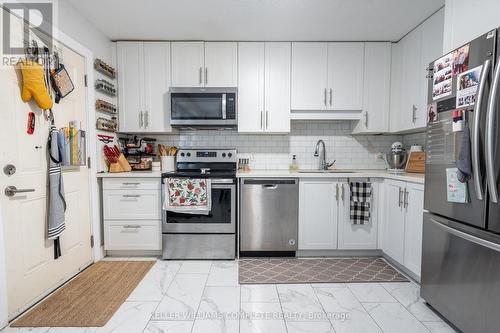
(251, 87)
(156, 86)
(221, 64)
(345, 76)
(31, 269)
(309, 76)
(188, 62)
(277, 87)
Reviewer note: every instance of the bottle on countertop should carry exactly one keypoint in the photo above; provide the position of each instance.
(294, 166)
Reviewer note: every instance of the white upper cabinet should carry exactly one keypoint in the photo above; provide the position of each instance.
(345, 76)
(309, 76)
(327, 76)
(410, 59)
(264, 87)
(188, 63)
(376, 89)
(156, 86)
(130, 63)
(277, 87)
(221, 64)
(199, 64)
(251, 60)
(143, 84)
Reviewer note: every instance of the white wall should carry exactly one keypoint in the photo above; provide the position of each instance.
(465, 20)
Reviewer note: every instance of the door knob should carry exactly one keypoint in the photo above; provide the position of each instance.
(11, 191)
(9, 169)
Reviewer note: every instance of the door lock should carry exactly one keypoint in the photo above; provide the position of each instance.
(9, 169)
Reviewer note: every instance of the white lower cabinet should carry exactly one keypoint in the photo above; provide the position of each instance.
(318, 214)
(324, 217)
(132, 214)
(358, 236)
(402, 223)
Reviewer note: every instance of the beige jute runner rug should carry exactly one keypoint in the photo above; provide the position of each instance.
(90, 299)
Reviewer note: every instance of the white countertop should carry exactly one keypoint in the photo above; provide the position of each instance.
(409, 177)
(131, 174)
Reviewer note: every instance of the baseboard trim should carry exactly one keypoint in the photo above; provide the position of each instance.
(338, 253)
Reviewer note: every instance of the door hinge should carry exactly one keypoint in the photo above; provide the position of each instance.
(88, 162)
(91, 240)
(85, 80)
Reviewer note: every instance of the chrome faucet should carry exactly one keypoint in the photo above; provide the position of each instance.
(322, 157)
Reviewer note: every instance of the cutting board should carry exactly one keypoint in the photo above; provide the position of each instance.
(416, 162)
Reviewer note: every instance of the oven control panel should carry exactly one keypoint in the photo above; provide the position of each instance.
(207, 155)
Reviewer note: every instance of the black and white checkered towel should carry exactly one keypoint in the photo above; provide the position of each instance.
(361, 194)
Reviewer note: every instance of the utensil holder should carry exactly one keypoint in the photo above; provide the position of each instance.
(167, 163)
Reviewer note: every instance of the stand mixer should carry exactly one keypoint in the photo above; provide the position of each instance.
(397, 158)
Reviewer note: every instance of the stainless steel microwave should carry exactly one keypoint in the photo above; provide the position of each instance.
(203, 107)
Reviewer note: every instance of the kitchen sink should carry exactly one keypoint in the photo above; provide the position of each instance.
(326, 171)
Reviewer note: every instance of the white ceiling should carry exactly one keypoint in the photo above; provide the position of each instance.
(287, 20)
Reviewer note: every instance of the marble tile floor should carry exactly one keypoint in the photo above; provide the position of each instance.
(204, 296)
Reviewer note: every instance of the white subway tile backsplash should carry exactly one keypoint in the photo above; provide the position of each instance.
(275, 151)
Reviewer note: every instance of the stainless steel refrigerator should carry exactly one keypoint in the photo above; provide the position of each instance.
(461, 233)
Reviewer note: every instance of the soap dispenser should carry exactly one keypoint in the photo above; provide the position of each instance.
(294, 166)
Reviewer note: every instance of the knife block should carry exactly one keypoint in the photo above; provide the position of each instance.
(121, 166)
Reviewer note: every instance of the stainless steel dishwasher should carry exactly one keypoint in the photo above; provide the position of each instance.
(269, 215)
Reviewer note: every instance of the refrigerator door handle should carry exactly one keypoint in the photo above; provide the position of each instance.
(490, 136)
(476, 169)
(466, 236)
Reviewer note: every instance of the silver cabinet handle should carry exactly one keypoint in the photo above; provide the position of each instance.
(400, 200)
(146, 119)
(490, 137)
(476, 170)
(331, 96)
(128, 226)
(131, 195)
(366, 119)
(141, 120)
(324, 101)
(337, 192)
(405, 199)
(267, 119)
(262, 120)
(206, 75)
(135, 184)
(200, 76)
(342, 192)
(11, 191)
(414, 114)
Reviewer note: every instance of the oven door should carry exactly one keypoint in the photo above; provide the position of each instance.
(221, 219)
(202, 107)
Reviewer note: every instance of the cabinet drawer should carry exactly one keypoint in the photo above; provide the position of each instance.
(132, 236)
(131, 205)
(131, 184)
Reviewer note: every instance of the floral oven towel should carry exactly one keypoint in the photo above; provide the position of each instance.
(188, 195)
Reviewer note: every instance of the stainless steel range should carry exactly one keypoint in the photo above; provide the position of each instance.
(199, 236)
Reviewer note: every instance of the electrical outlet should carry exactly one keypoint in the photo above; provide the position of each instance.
(379, 157)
